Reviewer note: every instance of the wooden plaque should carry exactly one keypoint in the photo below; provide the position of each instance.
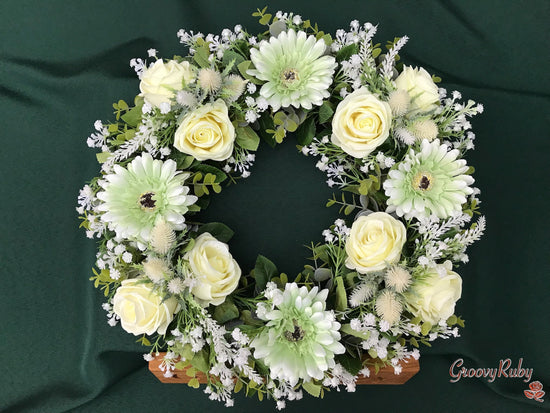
(384, 376)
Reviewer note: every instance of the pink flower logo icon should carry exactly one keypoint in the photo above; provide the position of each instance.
(535, 391)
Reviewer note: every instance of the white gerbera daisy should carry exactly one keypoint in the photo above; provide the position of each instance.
(301, 338)
(295, 70)
(139, 196)
(429, 182)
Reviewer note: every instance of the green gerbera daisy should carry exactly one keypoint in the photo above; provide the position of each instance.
(301, 338)
(146, 192)
(429, 182)
(295, 70)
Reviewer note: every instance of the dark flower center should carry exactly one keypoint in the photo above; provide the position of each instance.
(424, 183)
(289, 76)
(146, 201)
(296, 335)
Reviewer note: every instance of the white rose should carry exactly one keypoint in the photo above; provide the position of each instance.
(217, 273)
(361, 123)
(206, 133)
(421, 88)
(375, 241)
(433, 298)
(142, 310)
(161, 81)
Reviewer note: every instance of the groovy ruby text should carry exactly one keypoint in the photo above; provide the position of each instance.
(504, 369)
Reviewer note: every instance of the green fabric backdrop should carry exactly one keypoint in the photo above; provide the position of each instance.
(63, 63)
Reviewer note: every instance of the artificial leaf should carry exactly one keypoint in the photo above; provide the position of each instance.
(264, 270)
(306, 132)
(350, 363)
(220, 175)
(226, 311)
(247, 138)
(232, 56)
(325, 112)
(218, 230)
(133, 116)
(341, 296)
(103, 156)
(346, 52)
(312, 388)
(346, 328)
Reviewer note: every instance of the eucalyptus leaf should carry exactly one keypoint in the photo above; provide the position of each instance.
(220, 175)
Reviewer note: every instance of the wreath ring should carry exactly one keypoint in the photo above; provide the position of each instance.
(380, 283)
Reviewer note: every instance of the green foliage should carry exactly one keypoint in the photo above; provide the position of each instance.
(264, 271)
(312, 388)
(133, 116)
(201, 54)
(103, 156)
(221, 176)
(226, 311)
(306, 132)
(346, 329)
(120, 108)
(103, 281)
(243, 67)
(218, 230)
(345, 207)
(341, 303)
(265, 18)
(350, 363)
(232, 59)
(346, 52)
(201, 184)
(144, 341)
(325, 112)
(246, 138)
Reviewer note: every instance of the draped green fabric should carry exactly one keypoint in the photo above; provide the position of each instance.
(62, 65)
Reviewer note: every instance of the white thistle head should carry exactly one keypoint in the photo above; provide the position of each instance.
(163, 237)
(398, 278)
(388, 307)
(210, 80)
(156, 269)
(424, 129)
(399, 101)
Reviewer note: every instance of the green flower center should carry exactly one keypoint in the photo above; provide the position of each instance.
(147, 202)
(296, 335)
(423, 181)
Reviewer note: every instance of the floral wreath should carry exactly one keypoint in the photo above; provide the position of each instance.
(387, 137)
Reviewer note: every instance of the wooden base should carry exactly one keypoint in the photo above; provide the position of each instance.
(384, 376)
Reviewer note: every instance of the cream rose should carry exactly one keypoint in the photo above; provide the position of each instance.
(361, 123)
(375, 241)
(433, 298)
(418, 83)
(206, 133)
(216, 271)
(161, 81)
(141, 310)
